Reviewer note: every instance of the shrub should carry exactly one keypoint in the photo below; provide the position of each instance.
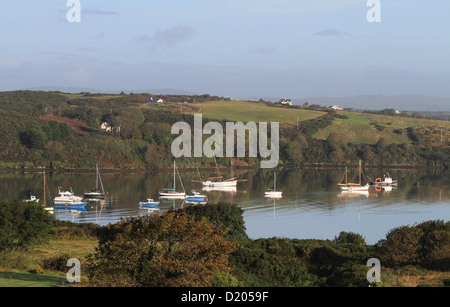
(435, 244)
(22, 224)
(271, 262)
(350, 237)
(33, 138)
(401, 247)
(37, 270)
(57, 263)
(225, 280)
(227, 215)
(68, 230)
(173, 249)
(427, 244)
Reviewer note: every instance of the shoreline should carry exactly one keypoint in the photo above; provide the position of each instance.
(221, 168)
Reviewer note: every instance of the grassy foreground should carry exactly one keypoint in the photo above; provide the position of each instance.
(19, 269)
(24, 269)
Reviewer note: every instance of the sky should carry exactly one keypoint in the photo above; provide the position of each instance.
(236, 48)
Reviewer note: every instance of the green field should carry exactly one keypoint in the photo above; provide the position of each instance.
(358, 128)
(17, 269)
(26, 279)
(245, 111)
(361, 128)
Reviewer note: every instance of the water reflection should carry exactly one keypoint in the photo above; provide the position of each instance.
(312, 205)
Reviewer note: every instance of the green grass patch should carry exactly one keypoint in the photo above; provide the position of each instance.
(25, 279)
(245, 111)
(364, 128)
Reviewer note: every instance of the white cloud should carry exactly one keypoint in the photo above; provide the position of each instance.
(165, 38)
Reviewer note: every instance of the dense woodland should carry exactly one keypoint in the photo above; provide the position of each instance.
(57, 130)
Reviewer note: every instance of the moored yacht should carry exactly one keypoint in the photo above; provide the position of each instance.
(67, 198)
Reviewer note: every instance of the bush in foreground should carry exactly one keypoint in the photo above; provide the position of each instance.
(173, 249)
(22, 224)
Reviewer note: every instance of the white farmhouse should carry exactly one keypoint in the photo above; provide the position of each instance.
(336, 108)
(286, 101)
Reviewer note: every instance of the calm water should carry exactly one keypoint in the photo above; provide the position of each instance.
(311, 207)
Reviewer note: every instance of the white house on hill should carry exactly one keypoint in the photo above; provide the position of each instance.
(336, 107)
(286, 101)
(105, 127)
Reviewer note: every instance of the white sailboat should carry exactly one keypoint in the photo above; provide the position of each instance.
(219, 181)
(172, 192)
(274, 193)
(353, 187)
(232, 190)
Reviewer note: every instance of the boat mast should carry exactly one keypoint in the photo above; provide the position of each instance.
(346, 181)
(174, 188)
(200, 176)
(359, 172)
(217, 167)
(275, 182)
(44, 190)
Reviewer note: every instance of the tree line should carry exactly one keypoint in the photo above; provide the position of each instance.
(144, 138)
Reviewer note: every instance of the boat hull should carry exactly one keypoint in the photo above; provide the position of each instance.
(273, 194)
(232, 183)
(70, 205)
(354, 188)
(149, 203)
(94, 196)
(384, 184)
(152, 205)
(196, 198)
(172, 195)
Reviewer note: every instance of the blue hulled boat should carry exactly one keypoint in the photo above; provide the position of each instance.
(197, 197)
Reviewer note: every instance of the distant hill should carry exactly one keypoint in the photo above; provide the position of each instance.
(413, 103)
(75, 90)
(33, 123)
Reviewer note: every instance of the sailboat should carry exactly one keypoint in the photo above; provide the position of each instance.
(353, 187)
(273, 193)
(219, 181)
(171, 192)
(96, 193)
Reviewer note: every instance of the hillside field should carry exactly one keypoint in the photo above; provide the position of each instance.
(246, 111)
(357, 128)
(365, 128)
